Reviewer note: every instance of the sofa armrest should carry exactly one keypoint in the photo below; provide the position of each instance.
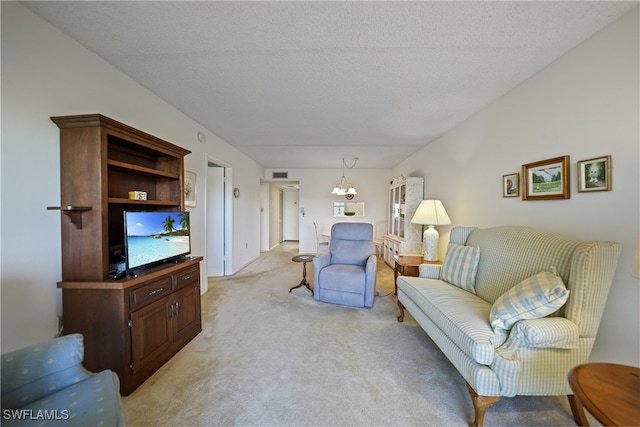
(429, 271)
(546, 332)
(33, 372)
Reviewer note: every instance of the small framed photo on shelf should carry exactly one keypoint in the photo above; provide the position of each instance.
(594, 174)
(511, 185)
(189, 189)
(547, 179)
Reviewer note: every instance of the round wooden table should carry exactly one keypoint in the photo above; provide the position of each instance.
(303, 259)
(610, 392)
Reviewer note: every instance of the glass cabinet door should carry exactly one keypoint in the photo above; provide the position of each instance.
(402, 190)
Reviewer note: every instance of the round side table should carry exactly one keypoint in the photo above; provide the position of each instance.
(303, 259)
(609, 391)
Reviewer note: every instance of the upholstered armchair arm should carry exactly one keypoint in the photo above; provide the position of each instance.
(320, 261)
(370, 280)
(429, 271)
(33, 372)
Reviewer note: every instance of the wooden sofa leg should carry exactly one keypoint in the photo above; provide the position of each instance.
(401, 310)
(480, 404)
(577, 410)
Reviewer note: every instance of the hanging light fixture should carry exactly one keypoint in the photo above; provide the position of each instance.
(343, 187)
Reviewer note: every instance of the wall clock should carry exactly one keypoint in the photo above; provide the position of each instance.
(236, 192)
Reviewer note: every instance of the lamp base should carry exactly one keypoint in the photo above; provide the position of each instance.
(430, 239)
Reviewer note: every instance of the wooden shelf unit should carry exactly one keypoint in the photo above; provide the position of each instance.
(132, 325)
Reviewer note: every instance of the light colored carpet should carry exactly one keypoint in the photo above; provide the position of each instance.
(272, 358)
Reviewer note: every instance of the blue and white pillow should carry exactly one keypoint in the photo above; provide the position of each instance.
(537, 296)
(460, 266)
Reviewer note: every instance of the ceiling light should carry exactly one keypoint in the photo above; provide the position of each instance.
(344, 187)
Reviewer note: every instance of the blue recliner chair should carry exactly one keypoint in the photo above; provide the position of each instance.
(347, 273)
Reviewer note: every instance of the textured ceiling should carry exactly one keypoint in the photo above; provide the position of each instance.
(304, 84)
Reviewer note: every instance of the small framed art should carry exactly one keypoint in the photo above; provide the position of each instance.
(594, 174)
(511, 185)
(546, 179)
(189, 189)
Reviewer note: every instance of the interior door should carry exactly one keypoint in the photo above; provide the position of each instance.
(290, 218)
(215, 220)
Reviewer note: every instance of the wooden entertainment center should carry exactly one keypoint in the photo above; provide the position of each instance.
(134, 324)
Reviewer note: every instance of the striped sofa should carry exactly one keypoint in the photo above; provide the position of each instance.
(512, 308)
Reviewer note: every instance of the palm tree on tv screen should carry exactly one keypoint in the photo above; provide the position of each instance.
(168, 224)
(184, 223)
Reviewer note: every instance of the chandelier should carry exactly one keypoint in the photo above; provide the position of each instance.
(343, 187)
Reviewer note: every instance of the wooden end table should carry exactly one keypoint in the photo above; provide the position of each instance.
(304, 259)
(610, 392)
(408, 265)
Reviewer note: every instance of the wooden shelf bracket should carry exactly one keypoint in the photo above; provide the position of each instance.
(73, 212)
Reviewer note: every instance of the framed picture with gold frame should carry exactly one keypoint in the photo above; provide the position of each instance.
(547, 179)
(594, 174)
(511, 185)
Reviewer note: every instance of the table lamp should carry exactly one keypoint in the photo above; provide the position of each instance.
(430, 213)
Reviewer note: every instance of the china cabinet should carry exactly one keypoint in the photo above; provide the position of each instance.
(403, 237)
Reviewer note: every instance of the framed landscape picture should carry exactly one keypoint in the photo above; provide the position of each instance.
(547, 179)
(594, 174)
(511, 185)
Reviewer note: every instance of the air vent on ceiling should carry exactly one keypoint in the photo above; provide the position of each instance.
(280, 175)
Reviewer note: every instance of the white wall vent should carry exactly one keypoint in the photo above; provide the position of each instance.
(280, 175)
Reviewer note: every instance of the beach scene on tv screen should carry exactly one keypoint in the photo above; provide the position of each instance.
(155, 236)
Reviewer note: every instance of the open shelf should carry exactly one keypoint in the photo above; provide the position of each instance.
(124, 201)
(131, 168)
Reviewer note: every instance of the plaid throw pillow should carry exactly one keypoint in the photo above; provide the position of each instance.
(460, 266)
(538, 296)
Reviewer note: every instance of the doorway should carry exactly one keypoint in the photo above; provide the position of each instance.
(216, 179)
(290, 216)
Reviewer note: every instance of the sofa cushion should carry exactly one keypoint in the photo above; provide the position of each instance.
(462, 316)
(460, 266)
(538, 296)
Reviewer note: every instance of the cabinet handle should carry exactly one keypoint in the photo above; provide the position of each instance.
(190, 276)
(151, 293)
(173, 310)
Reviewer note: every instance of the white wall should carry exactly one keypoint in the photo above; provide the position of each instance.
(584, 105)
(45, 73)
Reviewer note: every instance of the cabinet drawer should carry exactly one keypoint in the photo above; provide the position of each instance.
(150, 292)
(186, 277)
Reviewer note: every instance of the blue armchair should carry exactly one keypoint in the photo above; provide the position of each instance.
(347, 273)
(46, 384)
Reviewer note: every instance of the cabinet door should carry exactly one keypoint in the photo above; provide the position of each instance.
(185, 312)
(150, 334)
(402, 190)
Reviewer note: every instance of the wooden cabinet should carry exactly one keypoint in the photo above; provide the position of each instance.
(131, 325)
(134, 325)
(403, 237)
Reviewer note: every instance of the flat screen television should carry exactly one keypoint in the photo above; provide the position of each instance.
(155, 237)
